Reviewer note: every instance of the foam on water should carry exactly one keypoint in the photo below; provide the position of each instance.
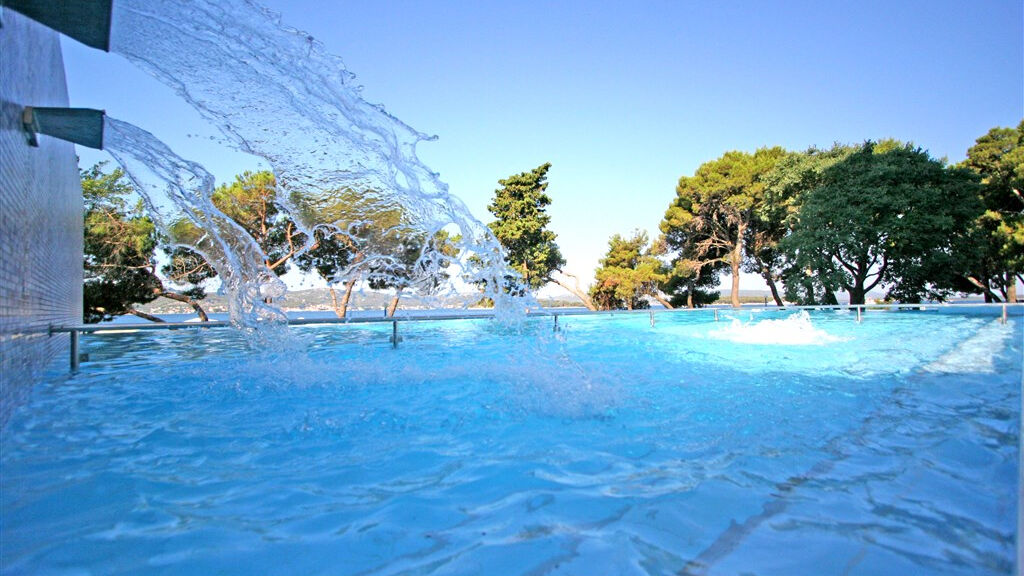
(794, 330)
(976, 354)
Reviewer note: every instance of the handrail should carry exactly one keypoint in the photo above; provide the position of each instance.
(76, 330)
(550, 312)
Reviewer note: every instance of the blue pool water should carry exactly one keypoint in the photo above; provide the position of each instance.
(766, 443)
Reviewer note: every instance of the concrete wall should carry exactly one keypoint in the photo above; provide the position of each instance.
(40, 215)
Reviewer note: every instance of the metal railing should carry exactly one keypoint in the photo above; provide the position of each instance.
(77, 330)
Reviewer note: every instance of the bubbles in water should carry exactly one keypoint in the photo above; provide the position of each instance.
(976, 354)
(795, 329)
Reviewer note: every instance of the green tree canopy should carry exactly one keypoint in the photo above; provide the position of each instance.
(186, 265)
(629, 272)
(998, 158)
(786, 185)
(885, 215)
(374, 240)
(119, 250)
(689, 284)
(521, 226)
(249, 201)
(707, 224)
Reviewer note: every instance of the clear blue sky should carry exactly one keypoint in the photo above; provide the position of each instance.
(625, 97)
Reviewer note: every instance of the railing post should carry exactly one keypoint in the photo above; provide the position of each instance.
(394, 333)
(858, 314)
(652, 318)
(716, 314)
(74, 350)
(1004, 314)
(556, 323)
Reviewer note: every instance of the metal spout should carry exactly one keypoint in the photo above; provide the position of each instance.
(79, 125)
(87, 21)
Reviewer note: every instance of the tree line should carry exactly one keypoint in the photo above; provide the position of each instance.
(812, 224)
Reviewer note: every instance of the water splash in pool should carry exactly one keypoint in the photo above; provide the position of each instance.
(794, 330)
(176, 193)
(339, 161)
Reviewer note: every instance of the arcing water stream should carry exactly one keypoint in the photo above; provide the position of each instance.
(177, 191)
(275, 93)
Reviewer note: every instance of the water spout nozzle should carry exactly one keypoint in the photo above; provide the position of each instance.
(79, 125)
(87, 21)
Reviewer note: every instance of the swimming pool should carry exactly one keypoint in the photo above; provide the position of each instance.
(888, 446)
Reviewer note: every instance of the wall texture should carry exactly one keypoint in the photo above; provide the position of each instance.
(40, 215)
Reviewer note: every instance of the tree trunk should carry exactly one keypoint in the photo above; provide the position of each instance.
(338, 311)
(145, 316)
(575, 290)
(829, 297)
(662, 300)
(736, 260)
(689, 298)
(341, 308)
(856, 294)
(770, 281)
(182, 298)
(989, 295)
(392, 306)
(1011, 287)
(347, 296)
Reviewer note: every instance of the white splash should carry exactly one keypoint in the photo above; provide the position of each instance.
(176, 190)
(274, 92)
(975, 354)
(794, 330)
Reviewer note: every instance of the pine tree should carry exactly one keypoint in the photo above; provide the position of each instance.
(521, 226)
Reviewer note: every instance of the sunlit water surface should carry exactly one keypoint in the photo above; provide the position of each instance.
(767, 443)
